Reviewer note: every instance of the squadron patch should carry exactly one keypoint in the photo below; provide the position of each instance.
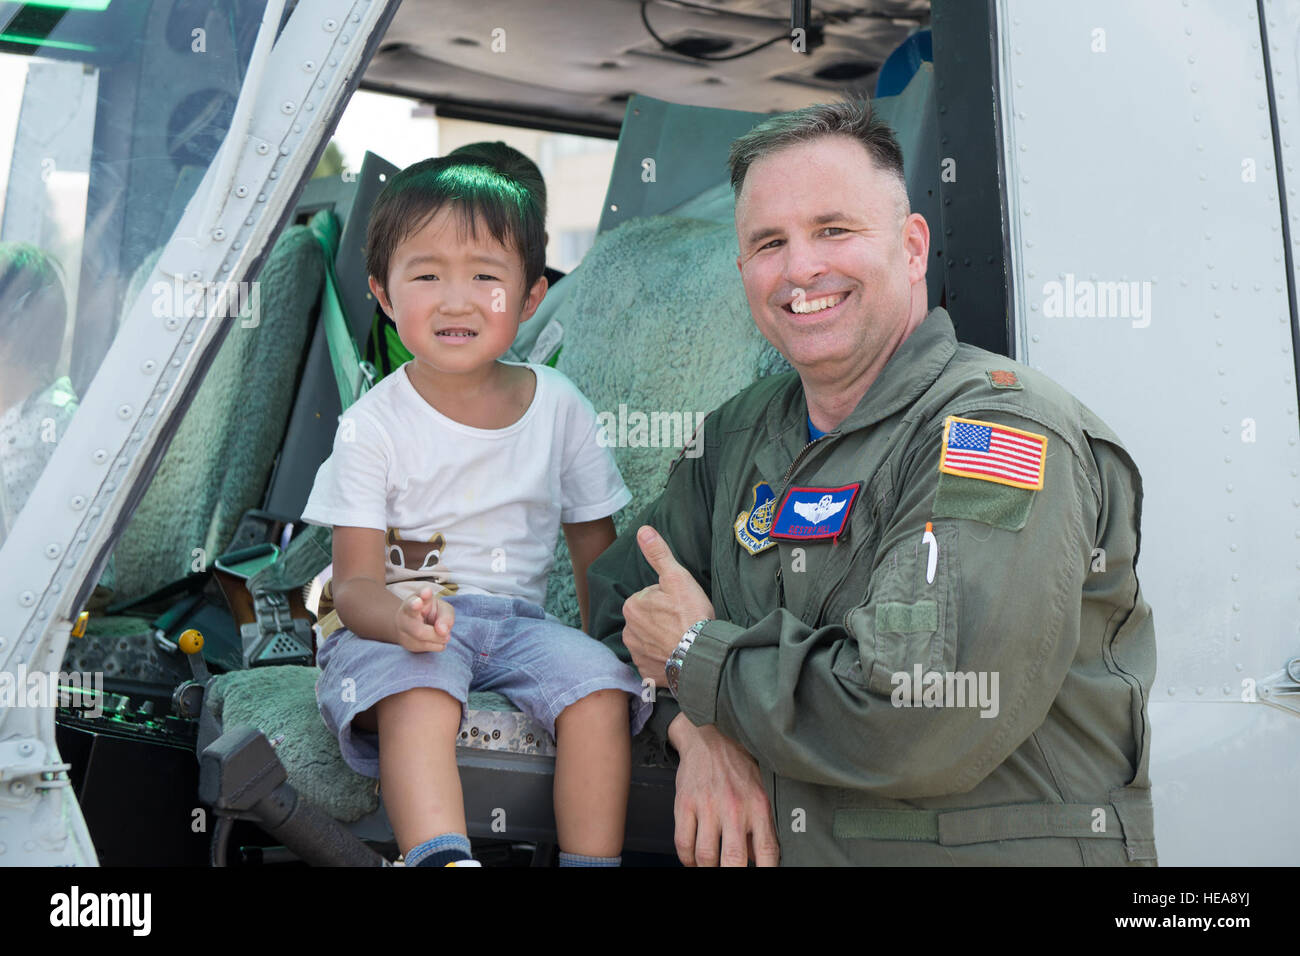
(752, 526)
(810, 513)
(992, 452)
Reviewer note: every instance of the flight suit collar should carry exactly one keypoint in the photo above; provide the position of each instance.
(909, 372)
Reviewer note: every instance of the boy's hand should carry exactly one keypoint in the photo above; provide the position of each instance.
(424, 622)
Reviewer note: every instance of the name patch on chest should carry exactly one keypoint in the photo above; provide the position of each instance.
(809, 513)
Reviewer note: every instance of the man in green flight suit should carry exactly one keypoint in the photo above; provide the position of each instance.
(895, 597)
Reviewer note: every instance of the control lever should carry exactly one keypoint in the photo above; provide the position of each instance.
(187, 699)
(241, 778)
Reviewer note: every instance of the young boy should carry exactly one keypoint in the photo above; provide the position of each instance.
(445, 488)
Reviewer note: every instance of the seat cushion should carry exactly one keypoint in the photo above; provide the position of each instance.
(218, 463)
(281, 702)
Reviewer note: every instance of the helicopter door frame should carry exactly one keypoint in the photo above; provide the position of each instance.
(1150, 277)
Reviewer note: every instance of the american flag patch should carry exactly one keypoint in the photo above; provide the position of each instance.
(993, 452)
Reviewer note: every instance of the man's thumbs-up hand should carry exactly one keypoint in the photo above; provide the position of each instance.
(655, 618)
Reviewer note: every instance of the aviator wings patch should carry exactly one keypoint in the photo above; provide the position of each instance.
(819, 510)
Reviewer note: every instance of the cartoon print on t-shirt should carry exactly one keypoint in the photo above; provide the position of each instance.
(401, 553)
(418, 556)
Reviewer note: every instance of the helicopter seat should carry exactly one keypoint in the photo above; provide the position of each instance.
(216, 466)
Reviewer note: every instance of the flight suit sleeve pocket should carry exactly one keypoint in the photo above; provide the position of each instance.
(907, 622)
(1002, 506)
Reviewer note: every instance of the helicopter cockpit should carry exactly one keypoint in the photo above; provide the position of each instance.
(184, 317)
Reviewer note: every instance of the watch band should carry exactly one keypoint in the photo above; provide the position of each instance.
(673, 666)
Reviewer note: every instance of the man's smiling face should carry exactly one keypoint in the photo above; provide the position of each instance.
(827, 256)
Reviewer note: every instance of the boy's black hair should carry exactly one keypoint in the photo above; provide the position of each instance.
(483, 191)
(508, 160)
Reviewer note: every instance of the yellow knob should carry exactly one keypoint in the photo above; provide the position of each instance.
(79, 628)
(191, 641)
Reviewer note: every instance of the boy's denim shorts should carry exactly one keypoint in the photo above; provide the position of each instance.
(507, 645)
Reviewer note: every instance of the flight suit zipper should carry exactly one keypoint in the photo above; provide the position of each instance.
(797, 458)
(785, 479)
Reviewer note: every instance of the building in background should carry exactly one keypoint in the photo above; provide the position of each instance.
(576, 168)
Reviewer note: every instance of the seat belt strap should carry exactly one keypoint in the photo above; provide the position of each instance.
(352, 376)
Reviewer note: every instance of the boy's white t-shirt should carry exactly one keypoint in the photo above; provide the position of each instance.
(485, 504)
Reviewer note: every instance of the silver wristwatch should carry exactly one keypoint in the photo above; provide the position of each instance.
(673, 669)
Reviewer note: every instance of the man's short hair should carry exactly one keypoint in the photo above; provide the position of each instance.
(852, 118)
(484, 191)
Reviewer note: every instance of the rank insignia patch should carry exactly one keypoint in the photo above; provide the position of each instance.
(752, 526)
(999, 378)
(992, 452)
(811, 513)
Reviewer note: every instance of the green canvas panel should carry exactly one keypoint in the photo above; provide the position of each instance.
(999, 505)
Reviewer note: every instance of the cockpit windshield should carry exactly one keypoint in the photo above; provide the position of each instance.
(110, 114)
